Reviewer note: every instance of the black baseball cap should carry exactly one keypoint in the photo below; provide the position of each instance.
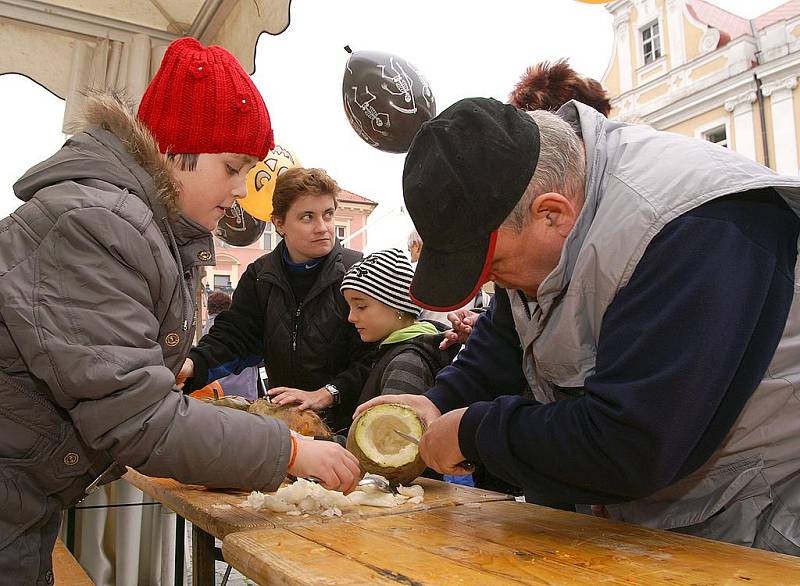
(465, 171)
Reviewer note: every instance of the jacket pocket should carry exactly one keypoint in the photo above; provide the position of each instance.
(723, 504)
(779, 529)
(42, 457)
(23, 504)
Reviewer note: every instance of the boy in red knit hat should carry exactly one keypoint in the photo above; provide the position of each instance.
(97, 277)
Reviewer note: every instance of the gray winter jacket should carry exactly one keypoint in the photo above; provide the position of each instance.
(749, 490)
(97, 278)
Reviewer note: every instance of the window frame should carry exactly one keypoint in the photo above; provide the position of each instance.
(658, 37)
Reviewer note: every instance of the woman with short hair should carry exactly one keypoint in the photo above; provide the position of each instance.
(288, 311)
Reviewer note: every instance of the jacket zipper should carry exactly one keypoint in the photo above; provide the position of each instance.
(296, 326)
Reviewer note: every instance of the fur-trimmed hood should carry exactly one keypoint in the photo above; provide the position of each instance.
(111, 145)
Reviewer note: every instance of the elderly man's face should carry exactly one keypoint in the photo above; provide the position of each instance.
(413, 250)
(522, 260)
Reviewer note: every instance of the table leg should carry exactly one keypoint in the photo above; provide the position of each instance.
(180, 540)
(202, 557)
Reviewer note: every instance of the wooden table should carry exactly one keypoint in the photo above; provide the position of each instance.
(218, 513)
(488, 543)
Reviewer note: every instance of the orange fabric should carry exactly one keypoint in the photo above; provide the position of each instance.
(294, 452)
(210, 391)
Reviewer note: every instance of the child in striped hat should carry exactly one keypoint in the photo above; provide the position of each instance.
(408, 357)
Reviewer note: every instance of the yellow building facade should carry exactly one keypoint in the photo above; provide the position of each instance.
(689, 67)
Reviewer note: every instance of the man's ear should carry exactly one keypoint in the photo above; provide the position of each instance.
(556, 211)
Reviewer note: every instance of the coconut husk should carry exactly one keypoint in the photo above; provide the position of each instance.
(305, 422)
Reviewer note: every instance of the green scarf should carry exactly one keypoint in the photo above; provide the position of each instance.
(418, 328)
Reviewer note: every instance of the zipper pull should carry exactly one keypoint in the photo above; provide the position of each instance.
(185, 325)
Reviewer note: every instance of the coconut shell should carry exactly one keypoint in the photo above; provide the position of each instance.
(404, 475)
(305, 422)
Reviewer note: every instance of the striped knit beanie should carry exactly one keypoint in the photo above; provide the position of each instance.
(386, 276)
(202, 101)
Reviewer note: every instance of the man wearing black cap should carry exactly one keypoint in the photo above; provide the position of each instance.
(645, 354)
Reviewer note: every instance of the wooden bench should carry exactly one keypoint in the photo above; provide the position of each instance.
(66, 569)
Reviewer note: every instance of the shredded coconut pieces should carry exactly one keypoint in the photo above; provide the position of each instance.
(303, 496)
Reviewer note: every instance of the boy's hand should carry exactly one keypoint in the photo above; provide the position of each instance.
(424, 407)
(187, 371)
(316, 400)
(463, 321)
(336, 468)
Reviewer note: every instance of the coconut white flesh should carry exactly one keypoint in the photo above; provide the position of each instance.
(303, 496)
(411, 491)
(378, 441)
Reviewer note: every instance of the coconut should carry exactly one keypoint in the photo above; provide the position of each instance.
(303, 422)
(232, 401)
(372, 439)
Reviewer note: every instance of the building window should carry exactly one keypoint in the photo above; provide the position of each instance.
(651, 43)
(341, 232)
(271, 237)
(717, 135)
(223, 283)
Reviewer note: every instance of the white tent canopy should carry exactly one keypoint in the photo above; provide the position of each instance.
(69, 46)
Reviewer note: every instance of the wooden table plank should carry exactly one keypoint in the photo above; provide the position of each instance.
(263, 554)
(66, 569)
(483, 543)
(219, 512)
(345, 555)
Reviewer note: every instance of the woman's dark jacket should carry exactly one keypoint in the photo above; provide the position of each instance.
(305, 344)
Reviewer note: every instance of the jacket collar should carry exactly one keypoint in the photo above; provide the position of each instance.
(591, 127)
(273, 269)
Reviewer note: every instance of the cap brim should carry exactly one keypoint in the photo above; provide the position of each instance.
(444, 281)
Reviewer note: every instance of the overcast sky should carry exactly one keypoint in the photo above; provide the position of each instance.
(463, 47)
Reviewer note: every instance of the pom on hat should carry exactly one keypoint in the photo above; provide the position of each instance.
(202, 101)
(385, 276)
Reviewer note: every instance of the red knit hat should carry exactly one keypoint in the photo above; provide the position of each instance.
(202, 101)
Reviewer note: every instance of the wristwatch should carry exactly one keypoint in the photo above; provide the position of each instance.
(335, 394)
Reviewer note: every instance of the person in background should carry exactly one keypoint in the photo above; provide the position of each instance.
(244, 384)
(408, 356)
(548, 86)
(287, 310)
(97, 270)
(651, 309)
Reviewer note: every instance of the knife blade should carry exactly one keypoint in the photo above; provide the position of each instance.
(407, 437)
(464, 465)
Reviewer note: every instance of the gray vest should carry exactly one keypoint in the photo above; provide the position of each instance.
(637, 180)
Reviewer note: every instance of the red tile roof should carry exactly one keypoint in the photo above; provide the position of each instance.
(351, 197)
(727, 23)
(783, 12)
(732, 26)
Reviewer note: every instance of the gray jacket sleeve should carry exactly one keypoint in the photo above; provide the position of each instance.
(406, 374)
(86, 325)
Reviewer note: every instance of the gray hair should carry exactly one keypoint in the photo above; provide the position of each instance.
(414, 238)
(561, 167)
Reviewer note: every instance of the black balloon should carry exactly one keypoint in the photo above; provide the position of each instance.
(238, 228)
(386, 99)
